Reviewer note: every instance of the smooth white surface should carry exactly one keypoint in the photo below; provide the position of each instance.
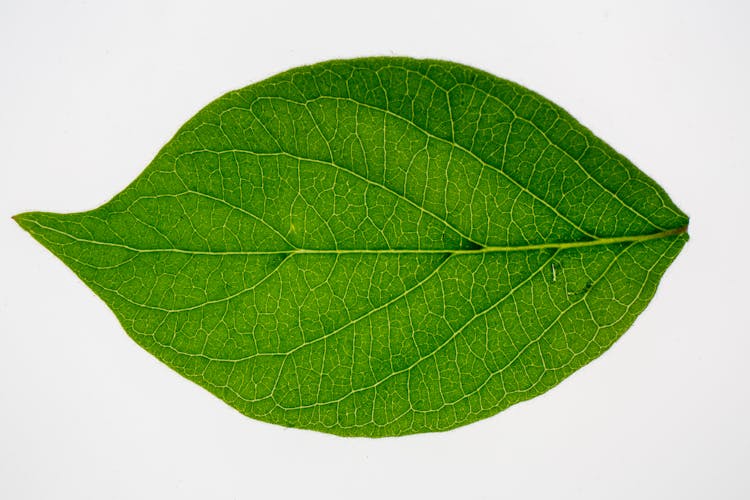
(89, 91)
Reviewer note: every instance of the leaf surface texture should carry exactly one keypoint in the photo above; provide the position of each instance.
(376, 247)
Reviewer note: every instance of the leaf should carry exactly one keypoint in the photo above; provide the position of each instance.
(376, 247)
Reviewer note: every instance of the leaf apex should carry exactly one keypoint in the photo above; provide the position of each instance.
(24, 219)
(31, 222)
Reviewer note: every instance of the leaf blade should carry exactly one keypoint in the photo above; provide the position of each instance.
(309, 250)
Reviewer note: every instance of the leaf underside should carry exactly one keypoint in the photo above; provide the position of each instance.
(376, 247)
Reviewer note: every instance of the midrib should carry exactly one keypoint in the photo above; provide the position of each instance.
(517, 248)
(452, 251)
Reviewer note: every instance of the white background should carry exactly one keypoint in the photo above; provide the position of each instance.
(89, 91)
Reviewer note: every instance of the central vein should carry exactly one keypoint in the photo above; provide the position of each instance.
(465, 251)
(492, 249)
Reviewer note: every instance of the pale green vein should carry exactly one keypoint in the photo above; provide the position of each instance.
(386, 251)
(430, 275)
(444, 141)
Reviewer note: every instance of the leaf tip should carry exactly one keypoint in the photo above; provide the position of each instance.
(23, 219)
(29, 221)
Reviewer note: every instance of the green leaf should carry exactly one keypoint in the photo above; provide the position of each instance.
(376, 247)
